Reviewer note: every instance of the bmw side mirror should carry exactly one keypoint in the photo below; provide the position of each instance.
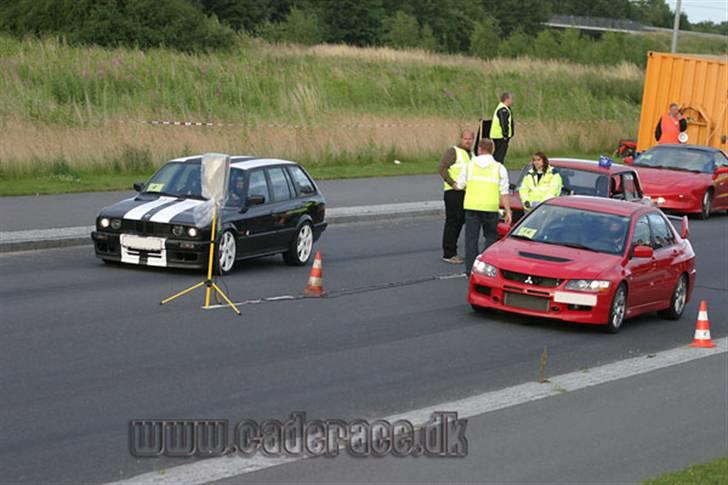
(138, 186)
(642, 251)
(254, 200)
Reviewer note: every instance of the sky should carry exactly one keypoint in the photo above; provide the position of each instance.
(699, 10)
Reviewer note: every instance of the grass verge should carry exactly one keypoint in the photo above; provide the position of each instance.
(711, 473)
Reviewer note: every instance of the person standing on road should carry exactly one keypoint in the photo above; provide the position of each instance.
(452, 164)
(502, 127)
(540, 183)
(670, 125)
(486, 188)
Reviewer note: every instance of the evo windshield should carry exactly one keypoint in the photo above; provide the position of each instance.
(576, 228)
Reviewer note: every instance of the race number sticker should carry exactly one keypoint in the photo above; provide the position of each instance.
(526, 232)
(155, 187)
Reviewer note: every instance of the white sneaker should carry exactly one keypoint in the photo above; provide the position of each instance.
(454, 260)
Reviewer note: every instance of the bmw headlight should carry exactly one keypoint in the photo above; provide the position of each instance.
(104, 222)
(587, 285)
(193, 232)
(481, 267)
(178, 231)
(116, 224)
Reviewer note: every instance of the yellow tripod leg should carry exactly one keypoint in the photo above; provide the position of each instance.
(211, 256)
(224, 297)
(183, 292)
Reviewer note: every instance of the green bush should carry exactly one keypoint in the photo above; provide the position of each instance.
(138, 23)
(401, 30)
(299, 27)
(516, 44)
(485, 38)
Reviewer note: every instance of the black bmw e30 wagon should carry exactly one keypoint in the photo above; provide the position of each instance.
(273, 207)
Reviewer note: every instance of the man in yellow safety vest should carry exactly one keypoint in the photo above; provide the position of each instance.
(502, 127)
(452, 165)
(486, 188)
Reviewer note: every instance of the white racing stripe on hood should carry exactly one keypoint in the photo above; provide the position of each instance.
(138, 212)
(169, 213)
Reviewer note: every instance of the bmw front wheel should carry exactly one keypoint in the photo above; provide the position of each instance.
(227, 252)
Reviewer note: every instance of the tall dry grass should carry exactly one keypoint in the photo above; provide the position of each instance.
(26, 149)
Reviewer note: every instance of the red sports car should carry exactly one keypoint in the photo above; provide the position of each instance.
(587, 260)
(688, 179)
(586, 177)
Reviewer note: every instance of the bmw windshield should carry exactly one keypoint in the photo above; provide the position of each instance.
(177, 180)
(676, 158)
(577, 228)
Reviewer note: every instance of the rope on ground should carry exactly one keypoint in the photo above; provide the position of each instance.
(349, 291)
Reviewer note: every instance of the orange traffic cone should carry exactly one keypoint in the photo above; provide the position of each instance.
(315, 281)
(702, 329)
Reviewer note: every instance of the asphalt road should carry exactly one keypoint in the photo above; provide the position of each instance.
(649, 421)
(85, 347)
(65, 210)
(69, 210)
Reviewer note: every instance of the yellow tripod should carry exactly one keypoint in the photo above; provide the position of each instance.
(209, 283)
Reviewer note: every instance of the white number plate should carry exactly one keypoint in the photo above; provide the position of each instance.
(143, 243)
(575, 298)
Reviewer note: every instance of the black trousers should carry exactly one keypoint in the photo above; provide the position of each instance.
(454, 220)
(474, 222)
(501, 148)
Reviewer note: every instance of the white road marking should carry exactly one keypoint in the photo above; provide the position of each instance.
(213, 469)
(168, 213)
(138, 212)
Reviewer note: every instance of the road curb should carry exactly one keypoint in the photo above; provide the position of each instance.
(14, 241)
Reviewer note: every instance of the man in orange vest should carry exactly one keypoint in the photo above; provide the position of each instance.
(670, 126)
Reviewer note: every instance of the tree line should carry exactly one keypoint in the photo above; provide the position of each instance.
(484, 28)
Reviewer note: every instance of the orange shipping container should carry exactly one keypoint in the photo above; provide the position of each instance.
(698, 84)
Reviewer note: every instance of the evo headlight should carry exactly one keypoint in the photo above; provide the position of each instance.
(484, 268)
(587, 285)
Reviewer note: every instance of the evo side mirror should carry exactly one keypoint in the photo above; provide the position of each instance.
(721, 171)
(502, 229)
(642, 251)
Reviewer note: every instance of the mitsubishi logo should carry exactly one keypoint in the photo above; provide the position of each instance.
(528, 280)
